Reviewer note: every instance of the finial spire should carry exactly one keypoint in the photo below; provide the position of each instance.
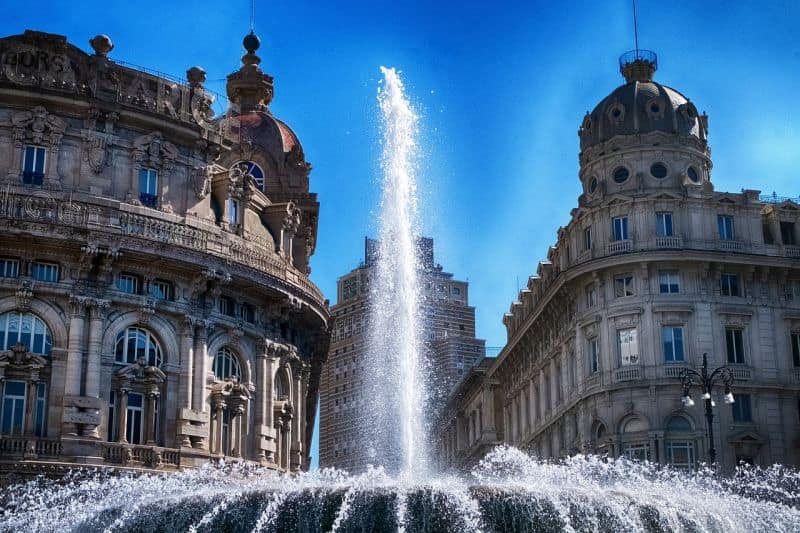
(635, 28)
(252, 16)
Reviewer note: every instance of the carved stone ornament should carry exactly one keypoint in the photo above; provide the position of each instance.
(201, 180)
(37, 126)
(150, 376)
(24, 295)
(146, 310)
(94, 151)
(291, 221)
(18, 356)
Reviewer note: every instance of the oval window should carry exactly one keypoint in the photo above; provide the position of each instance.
(654, 108)
(658, 170)
(621, 174)
(593, 184)
(692, 173)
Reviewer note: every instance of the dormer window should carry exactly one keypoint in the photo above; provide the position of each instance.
(33, 159)
(254, 170)
(148, 187)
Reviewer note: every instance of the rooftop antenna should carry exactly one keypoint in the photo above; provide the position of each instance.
(635, 28)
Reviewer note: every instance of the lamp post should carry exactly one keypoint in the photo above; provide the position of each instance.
(707, 381)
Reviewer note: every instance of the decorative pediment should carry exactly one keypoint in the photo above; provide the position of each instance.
(18, 356)
(617, 199)
(726, 198)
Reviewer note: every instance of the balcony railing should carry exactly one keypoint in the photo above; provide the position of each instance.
(673, 371)
(29, 447)
(730, 244)
(131, 454)
(741, 372)
(672, 241)
(619, 247)
(60, 208)
(628, 374)
(791, 251)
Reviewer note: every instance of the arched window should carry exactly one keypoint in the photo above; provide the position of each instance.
(226, 366)
(633, 425)
(635, 445)
(254, 170)
(280, 390)
(137, 343)
(679, 443)
(678, 424)
(27, 329)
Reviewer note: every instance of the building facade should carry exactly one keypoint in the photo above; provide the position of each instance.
(449, 336)
(155, 305)
(654, 269)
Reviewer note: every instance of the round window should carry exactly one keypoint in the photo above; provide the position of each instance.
(658, 170)
(693, 175)
(616, 112)
(621, 174)
(593, 184)
(654, 108)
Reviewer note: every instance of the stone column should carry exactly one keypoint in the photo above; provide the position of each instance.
(260, 404)
(287, 444)
(278, 448)
(200, 367)
(220, 407)
(297, 399)
(187, 363)
(72, 380)
(150, 418)
(122, 415)
(30, 411)
(92, 384)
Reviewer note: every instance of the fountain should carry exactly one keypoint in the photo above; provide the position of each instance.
(508, 491)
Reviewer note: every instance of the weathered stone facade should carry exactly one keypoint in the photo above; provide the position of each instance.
(654, 269)
(449, 338)
(155, 305)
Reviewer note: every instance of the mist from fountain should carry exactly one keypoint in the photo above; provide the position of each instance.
(396, 392)
(508, 491)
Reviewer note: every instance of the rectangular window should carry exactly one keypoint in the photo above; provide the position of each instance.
(233, 211)
(33, 159)
(623, 286)
(247, 313)
(741, 408)
(9, 268)
(793, 290)
(594, 356)
(734, 345)
(591, 295)
(112, 417)
(637, 452)
(680, 454)
(128, 283)
(161, 290)
(587, 238)
(664, 224)
(40, 422)
(620, 228)
(457, 291)
(226, 306)
(725, 227)
(729, 285)
(12, 415)
(668, 282)
(134, 426)
(44, 271)
(787, 233)
(673, 343)
(628, 346)
(148, 187)
(795, 340)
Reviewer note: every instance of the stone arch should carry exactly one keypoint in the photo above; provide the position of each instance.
(282, 374)
(633, 423)
(682, 415)
(243, 355)
(163, 331)
(51, 315)
(599, 430)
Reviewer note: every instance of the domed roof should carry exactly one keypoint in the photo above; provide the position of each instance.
(641, 106)
(265, 131)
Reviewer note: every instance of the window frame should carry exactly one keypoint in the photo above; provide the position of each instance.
(587, 238)
(742, 408)
(17, 412)
(167, 294)
(34, 176)
(37, 327)
(664, 224)
(629, 359)
(9, 267)
(148, 187)
(122, 280)
(226, 365)
(729, 284)
(623, 233)
(625, 289)
(738, 357)
(794, 340)
(673, 280)
(673, 344)
(726, 229)
(125, 337)
(44, 266)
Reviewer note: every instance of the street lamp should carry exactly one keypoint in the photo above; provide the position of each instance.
(707, 381)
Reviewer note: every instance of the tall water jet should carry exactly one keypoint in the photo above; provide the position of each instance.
(396, 439)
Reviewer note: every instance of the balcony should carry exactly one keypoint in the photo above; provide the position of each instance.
(148, 200)
(628, 374)
(741, 373)
(29, 448)
(730, 244)
(791, 251)
(133, 455)
(673, 371)
(620, 247)
(669, 242)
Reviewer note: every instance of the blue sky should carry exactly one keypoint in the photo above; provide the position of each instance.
(501, 87)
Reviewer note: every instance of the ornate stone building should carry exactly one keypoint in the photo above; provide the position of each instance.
(155, 305)
(449, 337)
(654, 269)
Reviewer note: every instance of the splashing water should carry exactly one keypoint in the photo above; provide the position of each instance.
(396, 390)
(507, 492)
